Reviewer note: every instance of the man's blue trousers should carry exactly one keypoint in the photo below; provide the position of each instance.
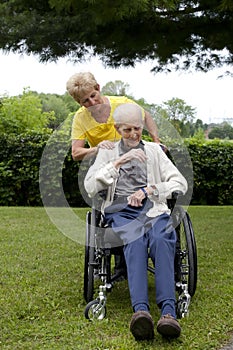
(144, 236)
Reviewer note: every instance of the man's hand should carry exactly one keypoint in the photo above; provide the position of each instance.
(132, 154)
(136, 198)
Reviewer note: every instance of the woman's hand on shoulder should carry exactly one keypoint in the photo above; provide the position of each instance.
(106, 144)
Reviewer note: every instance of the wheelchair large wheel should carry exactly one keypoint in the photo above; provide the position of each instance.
(88, 263)
(186, 252)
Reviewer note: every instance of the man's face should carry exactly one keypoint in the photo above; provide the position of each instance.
(131, 134)
(91, 98)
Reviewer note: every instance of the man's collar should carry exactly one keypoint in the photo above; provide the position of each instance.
(123, 149)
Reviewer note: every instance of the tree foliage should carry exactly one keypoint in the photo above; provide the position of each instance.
(38, 111)
(221, 131)
(115, 88)
(180, 33)
(19, 114)
(179, 114)
(60, 105)
(35, 111)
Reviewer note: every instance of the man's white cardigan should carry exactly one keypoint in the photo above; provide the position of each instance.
(161, 173)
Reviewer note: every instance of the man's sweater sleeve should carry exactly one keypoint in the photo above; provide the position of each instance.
(99, 177)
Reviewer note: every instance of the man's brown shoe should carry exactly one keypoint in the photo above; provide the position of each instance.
(142, 326)
(168, 326)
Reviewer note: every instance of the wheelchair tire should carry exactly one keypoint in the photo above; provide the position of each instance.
(88, 267)
(186, 249)
(95, 311)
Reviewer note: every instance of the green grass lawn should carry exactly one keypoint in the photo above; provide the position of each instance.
(41, 288)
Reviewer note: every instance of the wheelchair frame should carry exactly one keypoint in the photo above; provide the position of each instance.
(98, 262)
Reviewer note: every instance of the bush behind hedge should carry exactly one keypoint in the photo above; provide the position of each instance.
(20, 167)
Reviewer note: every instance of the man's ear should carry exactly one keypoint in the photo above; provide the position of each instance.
(97, 87)
(117, 127)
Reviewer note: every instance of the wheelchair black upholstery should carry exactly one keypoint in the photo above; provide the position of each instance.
(99, 250)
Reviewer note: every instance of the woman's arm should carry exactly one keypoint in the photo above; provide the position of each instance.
(151, 127)
(79, 151)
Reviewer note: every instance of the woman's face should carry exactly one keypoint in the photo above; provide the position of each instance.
(91, 98)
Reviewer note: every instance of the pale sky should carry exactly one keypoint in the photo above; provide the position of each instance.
(211, 97)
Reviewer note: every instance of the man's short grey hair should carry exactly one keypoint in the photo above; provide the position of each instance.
(128, 113)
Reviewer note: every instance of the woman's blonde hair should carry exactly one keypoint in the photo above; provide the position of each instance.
(80, 84)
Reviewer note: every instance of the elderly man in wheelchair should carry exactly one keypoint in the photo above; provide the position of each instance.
(139, 178)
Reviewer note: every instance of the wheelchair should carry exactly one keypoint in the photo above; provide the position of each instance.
(98, 256)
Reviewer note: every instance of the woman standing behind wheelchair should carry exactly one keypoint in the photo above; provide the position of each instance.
(93, 123)
(139, 178)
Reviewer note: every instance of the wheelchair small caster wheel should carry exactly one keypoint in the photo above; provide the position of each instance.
(182, 309)
(95, 310)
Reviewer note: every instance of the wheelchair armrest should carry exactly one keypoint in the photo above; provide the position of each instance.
(177, 194)
(172, 201)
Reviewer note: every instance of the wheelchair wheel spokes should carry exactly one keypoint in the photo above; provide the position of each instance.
(186, 255)
(192, 254)
(89, 263)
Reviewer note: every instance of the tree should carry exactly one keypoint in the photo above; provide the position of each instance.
(179, 114)
(60, 105)
(181, 33)
(222, 131)
(200, 125)
(19, 114)
(115, 88)
(199, 135)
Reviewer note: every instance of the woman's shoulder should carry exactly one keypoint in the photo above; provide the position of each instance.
(119, 99)
(82, 110)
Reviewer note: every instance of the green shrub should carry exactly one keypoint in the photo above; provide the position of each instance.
(213, 172)
(19, 168)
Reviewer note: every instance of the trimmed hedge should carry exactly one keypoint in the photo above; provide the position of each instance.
(19, 168)
(21, 165)
(213, 172)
